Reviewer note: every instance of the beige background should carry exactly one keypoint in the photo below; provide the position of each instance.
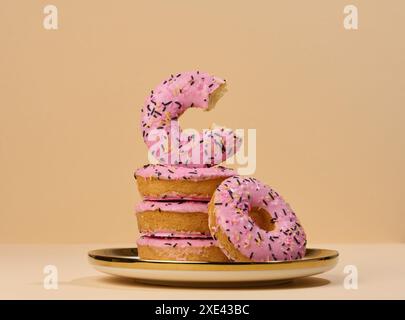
(328, 106)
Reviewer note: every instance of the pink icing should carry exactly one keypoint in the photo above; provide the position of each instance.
(176, 242)
(174, 206)
(233, 200)
(175, 196)
(168, 172)
(161, 110)
(177, 234)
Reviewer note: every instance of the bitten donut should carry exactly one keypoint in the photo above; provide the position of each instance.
(173, 219)
(159, 182)
(156, 248)
(252, 222)
(160, 127)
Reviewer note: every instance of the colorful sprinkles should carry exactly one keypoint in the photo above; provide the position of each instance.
(161, 110)
(233, 200)
(165, 172)
(145, 240)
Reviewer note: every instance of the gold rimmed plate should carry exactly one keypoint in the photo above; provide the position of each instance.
(124, 262)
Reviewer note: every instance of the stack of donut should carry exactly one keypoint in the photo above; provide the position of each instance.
(194, 209)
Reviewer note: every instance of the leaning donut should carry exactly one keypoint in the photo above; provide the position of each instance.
(161, 131)
(252, 222)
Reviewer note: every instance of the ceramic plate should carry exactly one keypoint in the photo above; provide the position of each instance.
(124, 262)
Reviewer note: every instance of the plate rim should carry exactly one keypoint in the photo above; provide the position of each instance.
(325, 258)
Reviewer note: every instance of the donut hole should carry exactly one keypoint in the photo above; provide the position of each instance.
(262, 218)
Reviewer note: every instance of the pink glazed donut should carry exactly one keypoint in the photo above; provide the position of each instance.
(252, 222)
(160, 127)
(165, 183)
